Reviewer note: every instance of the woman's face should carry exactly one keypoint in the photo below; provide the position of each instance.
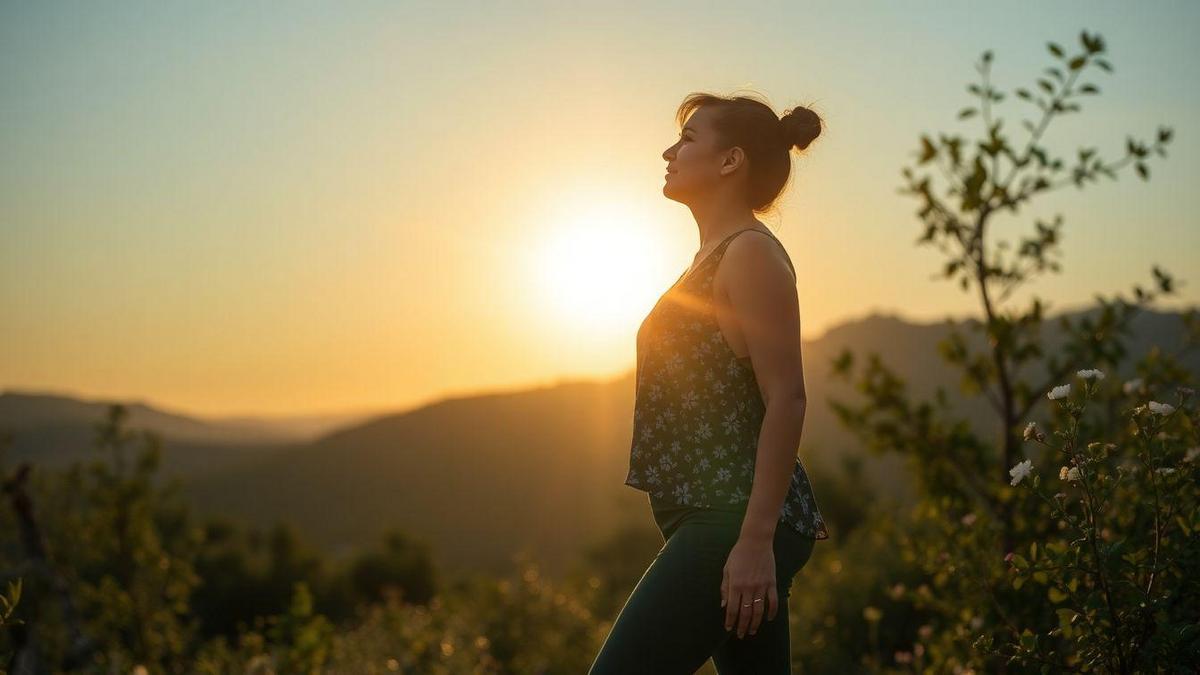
(693, 165)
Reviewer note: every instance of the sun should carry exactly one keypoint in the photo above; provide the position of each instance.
(601, 271)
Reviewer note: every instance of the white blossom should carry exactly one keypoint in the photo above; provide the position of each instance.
(1020, 470)
(1166, 470)
(1191, 454)
(1069, 473)
(1089, 374)
(1132, 385)
(1161, 408)
(1031, 431)
(1059, 392)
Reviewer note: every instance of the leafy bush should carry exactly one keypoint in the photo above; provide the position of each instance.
(1121, 570)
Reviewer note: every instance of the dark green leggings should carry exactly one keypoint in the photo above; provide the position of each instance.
(673, 620)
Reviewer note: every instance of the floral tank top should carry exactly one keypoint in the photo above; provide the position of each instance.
(698, 410)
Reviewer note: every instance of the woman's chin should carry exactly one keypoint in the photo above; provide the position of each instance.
(670, 194)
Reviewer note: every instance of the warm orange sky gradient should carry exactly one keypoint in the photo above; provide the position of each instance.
(229, 210)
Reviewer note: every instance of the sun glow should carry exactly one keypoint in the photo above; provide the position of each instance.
(601, 270)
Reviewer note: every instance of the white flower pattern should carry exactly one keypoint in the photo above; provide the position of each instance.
(698, 410)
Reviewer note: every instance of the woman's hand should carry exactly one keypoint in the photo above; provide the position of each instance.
(749, 575)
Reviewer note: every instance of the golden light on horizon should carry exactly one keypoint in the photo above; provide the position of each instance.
(600, 271)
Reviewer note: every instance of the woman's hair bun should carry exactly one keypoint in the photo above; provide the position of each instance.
(800, 126)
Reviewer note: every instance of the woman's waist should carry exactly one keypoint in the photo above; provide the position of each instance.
(667, 503)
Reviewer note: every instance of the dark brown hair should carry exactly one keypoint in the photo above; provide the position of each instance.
(749, 123)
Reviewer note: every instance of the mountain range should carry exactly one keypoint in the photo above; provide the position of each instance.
(483, 476)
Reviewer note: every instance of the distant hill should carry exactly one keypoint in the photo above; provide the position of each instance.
(54, 430)
(24, 409)
(289, 428)
(483, 476)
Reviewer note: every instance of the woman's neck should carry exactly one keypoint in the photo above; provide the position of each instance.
(717, 220)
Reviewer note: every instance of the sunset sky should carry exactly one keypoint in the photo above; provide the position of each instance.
(229, 208)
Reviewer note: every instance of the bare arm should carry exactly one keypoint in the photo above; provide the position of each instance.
(762, 295)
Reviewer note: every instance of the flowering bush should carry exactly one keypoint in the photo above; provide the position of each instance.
(1120, 572)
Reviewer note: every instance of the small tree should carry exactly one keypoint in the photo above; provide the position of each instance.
(969, 514)
(126, 547)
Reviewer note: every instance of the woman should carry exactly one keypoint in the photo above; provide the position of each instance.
(718, 411)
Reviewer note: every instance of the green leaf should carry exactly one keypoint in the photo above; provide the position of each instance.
(928, 151)
(1054, 49)
(1056, 596)
(1142, 171)
(1077, 62)
(966, 112)
(1089, 89)
(1028, 639)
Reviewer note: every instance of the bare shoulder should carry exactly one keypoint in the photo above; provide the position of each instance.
(756, 257)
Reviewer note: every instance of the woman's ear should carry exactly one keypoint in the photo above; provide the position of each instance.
(734, 158)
